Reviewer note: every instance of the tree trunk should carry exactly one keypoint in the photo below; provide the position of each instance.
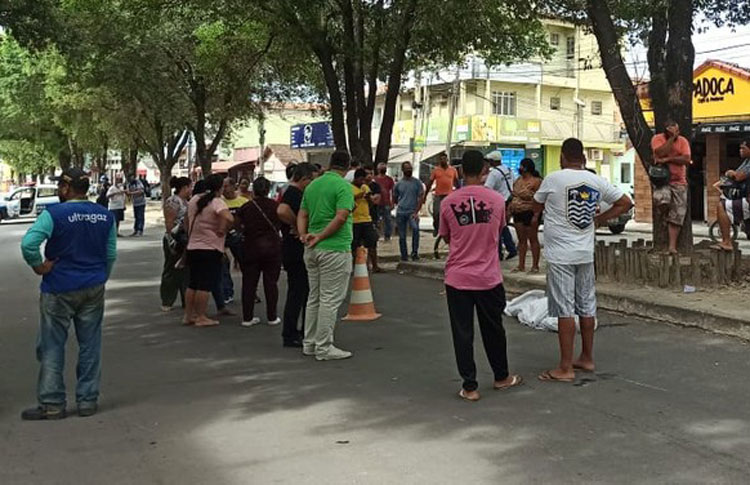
(63, 158)
(350, 85)
(165, 176)
(619, 80)
(334, 94)
(679, 68)
(657, 86)
(129, 162)
(394, 84)
(366, 103)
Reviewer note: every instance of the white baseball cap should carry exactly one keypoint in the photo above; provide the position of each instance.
(494, 156)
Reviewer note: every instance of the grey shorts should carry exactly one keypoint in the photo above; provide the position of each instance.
(674, 196)
(571, 290)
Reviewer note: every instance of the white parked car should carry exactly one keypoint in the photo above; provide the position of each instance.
(27, 202)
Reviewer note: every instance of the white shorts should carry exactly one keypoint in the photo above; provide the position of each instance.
(738, 210)
(571, 290)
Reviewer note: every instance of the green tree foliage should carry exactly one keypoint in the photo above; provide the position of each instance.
(26, 109)
(666, 28)
(360, 43)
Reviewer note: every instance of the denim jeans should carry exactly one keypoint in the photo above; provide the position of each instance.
(507, 241)
(85, 310)
(139, 212)
(384, 214)
(227, 285)
(402, 221)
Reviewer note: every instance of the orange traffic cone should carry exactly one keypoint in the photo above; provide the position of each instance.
(361, 305)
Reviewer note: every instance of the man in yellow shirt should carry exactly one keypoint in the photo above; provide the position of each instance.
(364, 231)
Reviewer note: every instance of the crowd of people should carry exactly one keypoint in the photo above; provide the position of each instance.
(313, 232)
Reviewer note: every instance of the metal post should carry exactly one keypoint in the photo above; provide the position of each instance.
(452, 111)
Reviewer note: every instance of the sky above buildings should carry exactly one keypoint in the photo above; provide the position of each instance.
(724, 44)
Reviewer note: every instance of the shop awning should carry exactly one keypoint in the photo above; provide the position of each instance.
(225, 167)
(428, 152)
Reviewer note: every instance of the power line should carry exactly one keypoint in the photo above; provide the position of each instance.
(561, 70)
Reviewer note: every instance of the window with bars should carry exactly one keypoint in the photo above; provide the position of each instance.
(504, 103)
(570, 47)
(596, 107)
(554, 104)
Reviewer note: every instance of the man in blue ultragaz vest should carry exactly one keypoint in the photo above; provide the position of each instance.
(81, 249)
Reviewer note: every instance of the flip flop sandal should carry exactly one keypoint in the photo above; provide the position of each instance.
(547, 377)
(515, 381)
(719, 247)
(462, 395)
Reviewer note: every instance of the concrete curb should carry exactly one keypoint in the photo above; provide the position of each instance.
(611, 300)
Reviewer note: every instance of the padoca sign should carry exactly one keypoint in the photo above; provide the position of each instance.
(311, 135)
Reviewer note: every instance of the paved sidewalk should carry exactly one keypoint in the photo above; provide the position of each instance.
(721, 310)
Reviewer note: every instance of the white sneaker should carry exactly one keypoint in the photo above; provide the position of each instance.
(334, 354)
(166, 309)
(254, 321)
(308, 350)
(273, 323)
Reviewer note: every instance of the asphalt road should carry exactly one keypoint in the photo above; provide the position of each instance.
(229, 405)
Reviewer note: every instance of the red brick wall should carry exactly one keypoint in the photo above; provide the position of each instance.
(642, 188)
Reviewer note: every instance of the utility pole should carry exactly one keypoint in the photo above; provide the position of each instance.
(417, 116)
(452, 110)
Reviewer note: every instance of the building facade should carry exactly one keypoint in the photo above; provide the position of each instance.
(526, 109)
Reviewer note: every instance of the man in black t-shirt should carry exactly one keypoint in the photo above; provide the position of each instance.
(292, 255)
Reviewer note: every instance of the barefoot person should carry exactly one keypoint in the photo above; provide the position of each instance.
(522, 208)
(569, 199)
(208, 221)
(471, 221)
(81, 247)
(734, 206)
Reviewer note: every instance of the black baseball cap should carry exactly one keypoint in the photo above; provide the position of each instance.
(75, 177)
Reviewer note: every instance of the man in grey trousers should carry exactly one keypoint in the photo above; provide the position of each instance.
(324, 223)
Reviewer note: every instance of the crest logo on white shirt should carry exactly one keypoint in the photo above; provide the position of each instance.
(582, 203)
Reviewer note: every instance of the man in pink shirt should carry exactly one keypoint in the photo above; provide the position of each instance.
(471, 220)
(673, 150)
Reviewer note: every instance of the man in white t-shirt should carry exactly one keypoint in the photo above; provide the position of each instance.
(116, 196)
(570, 199)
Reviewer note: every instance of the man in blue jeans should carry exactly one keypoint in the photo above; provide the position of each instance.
(137, 192)
(407, 194)
(81, 249)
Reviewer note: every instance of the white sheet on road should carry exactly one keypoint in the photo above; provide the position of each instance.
(530, 309)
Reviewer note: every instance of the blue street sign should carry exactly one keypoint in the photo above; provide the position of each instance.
(312, 135)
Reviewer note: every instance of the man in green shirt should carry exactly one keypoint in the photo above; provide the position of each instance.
(324, 223)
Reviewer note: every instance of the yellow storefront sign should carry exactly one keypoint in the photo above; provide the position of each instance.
(484, 128)
(720, 92)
